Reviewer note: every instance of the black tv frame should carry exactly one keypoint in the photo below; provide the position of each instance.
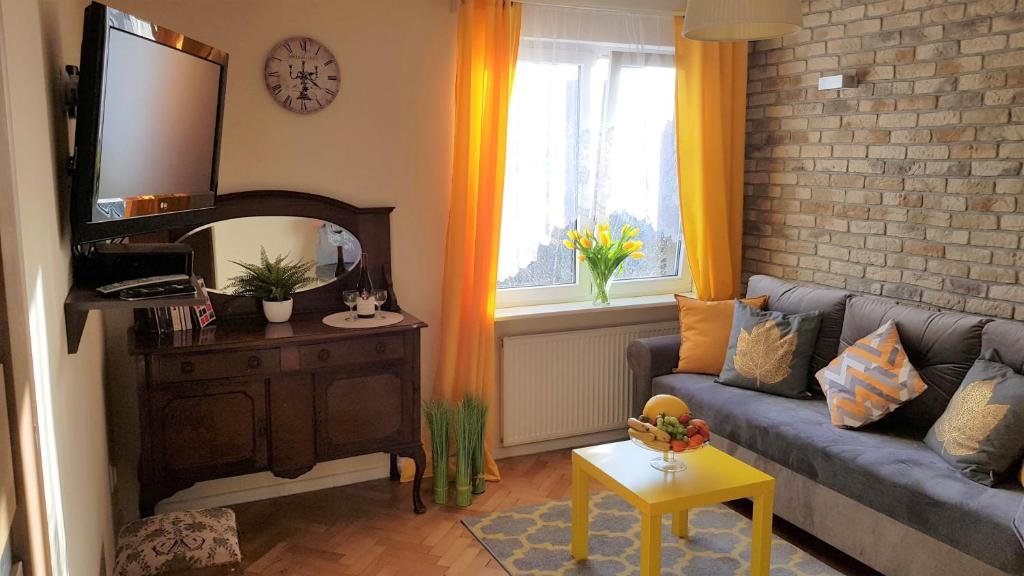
(99, 20)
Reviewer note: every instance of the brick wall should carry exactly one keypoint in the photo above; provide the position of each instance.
(909, 185)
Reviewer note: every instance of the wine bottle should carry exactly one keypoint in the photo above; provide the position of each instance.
(365, 305)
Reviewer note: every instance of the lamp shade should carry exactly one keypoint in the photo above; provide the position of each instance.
(732, 20)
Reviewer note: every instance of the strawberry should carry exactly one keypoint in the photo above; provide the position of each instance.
(696, 441)
(685, 419)
(678, 445)
(691, 430)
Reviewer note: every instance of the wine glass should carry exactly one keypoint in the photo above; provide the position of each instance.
(380, 297)
(349, 297)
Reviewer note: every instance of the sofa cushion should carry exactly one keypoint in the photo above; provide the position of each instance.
(770, 351)
(981, 433)
(1005, 339)
(790, 298)
(704, 328)
(897, 476)
(942, 346)
(870, 379)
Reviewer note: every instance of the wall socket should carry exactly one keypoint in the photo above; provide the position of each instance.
(837, 82)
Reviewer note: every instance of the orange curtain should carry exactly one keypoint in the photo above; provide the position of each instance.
(488, 46)
(711, 101)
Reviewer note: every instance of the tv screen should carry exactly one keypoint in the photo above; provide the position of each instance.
(147, 143)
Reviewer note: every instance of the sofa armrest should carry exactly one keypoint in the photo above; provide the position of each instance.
(649, 358)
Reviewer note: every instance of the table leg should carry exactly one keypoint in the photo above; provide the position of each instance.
(761, 537)
(681, 523)
(650, 545)
(580, 512)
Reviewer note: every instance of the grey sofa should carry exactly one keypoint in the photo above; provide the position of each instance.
(877, 493)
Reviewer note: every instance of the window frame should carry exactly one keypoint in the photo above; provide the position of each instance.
(581, 290)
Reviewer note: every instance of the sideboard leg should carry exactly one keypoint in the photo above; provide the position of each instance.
(395, 472)
(420, 458)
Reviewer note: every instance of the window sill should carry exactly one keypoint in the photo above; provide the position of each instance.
(572, 308)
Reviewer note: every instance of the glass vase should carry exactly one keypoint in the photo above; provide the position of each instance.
(601, 286)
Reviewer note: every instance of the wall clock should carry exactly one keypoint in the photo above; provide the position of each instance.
(302, 75)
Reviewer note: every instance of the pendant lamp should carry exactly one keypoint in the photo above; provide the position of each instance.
(732, 20)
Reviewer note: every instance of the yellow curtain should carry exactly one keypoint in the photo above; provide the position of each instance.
(488, 46)
(711, 100)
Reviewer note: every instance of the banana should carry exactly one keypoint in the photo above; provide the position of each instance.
(650, 443)
(637, 425)
(659, 435)
(642, 436)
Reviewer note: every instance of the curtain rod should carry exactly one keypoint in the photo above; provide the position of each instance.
(599, 5)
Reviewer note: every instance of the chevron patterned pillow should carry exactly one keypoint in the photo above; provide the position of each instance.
(870, 379)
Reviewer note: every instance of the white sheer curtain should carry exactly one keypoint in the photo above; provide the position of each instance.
(591, 140)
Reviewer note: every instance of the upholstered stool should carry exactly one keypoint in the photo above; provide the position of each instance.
(194, 542)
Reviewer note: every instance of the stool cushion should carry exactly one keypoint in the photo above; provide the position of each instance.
(178, 541)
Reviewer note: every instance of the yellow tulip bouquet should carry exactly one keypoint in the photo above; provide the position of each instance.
(604, 255)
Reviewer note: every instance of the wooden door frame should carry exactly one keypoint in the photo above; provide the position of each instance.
(29, 540)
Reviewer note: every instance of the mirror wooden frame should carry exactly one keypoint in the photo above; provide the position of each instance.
(371, 226)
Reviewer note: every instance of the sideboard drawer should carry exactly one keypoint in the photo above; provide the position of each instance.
(353, 351)
(185, 367)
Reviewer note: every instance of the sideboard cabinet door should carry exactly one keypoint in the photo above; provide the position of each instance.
(363, 411)
(210, 429)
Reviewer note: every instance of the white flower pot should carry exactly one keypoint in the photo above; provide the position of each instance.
(277, 311)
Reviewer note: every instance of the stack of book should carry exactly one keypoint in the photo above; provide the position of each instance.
(172, 319)
(179, 318)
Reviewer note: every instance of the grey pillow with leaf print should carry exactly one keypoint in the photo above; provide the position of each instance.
(981, 433)
(770, 351)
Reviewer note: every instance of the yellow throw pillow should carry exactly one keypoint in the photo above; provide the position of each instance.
(704, 329)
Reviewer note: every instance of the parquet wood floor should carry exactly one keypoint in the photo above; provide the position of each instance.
(369, 529)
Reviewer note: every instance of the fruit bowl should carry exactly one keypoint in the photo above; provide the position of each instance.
(667, 427)
(669, 460)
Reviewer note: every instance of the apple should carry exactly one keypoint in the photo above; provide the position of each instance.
(702, 427)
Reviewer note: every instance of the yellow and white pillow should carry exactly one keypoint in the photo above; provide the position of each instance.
(870, 379)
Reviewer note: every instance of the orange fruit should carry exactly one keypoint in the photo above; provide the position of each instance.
(665, 404)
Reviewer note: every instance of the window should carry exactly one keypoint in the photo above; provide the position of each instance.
(591, 140)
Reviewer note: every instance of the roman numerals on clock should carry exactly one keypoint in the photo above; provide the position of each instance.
(302, 75)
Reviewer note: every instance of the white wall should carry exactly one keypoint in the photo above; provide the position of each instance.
(67, 389)
(385, 141)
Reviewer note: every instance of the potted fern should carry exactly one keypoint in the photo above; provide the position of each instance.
(273, 282)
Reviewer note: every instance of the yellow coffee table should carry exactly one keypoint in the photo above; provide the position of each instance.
(711, 477)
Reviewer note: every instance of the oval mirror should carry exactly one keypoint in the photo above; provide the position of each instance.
(218, 247)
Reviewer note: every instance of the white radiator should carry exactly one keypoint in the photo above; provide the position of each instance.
(568, 383)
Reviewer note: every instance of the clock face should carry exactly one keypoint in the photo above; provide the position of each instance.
(302, 75)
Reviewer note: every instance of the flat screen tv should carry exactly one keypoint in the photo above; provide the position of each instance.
(147, 141)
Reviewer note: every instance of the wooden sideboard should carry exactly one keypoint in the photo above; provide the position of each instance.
(245, 396)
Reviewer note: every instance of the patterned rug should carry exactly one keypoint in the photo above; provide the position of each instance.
(535, 541)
